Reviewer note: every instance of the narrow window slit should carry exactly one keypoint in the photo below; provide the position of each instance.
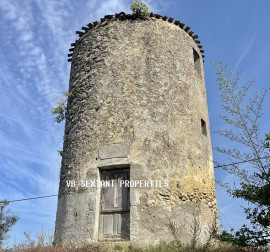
(203, 126)
(197, 62)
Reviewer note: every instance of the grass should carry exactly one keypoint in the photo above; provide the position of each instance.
(44, 241)
(118, 248)
(42, 245)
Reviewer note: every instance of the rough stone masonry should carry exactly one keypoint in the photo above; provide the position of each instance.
(137, 112)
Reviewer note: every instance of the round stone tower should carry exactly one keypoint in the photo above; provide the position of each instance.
(137, 152)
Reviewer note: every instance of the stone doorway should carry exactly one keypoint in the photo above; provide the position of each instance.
(114, 221)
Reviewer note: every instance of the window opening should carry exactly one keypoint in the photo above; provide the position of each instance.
(203, 126)
(197, 62)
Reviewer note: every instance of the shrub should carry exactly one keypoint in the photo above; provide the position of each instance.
(139, 9)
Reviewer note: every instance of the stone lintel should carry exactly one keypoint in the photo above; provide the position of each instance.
(119, 150)
(113, 163)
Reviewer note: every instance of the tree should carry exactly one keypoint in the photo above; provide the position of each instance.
(6, 222)
(242, 115)
(139, 9)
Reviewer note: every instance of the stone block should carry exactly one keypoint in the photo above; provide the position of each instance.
(120, 150)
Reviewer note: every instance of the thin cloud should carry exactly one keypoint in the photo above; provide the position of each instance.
(247, 48)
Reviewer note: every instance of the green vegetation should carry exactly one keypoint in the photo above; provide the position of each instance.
(111, 247)
(139, 9)
(61, 109)
(242, 115)
(45, 240)
(6, 222)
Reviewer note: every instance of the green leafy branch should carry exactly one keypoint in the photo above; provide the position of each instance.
(61, 109)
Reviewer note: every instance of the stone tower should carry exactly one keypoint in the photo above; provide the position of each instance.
(138, 114)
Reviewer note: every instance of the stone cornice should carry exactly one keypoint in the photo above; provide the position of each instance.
(124, 16)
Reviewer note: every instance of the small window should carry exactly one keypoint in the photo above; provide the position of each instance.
(197, 62)
(203, 126)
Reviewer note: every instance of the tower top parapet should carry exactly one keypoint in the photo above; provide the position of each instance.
(124, 16)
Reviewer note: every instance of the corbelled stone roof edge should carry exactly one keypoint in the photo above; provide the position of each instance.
(124, 16)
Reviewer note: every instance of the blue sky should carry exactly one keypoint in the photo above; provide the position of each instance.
(35, 38)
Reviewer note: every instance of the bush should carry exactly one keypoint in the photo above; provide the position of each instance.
(139, 9)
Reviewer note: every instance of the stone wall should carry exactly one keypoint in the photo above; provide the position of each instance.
(138, 101)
